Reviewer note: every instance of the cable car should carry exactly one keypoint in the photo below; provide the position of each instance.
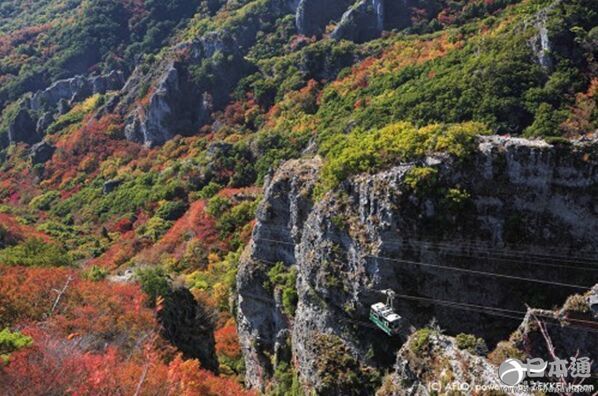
(384, 316)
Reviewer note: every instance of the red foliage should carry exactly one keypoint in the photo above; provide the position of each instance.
(58, 366)
(446, 17)
(120, 252)
(9, 42)
(123, 225)
(103, 309)
(185, 378)
(16, 232)
(195, 224)
(580, 120)
(84, 149)
(26, 293)
(230, 192)
(227, 341)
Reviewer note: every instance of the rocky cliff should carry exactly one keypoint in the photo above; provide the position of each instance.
(37, 111)
(481, 231)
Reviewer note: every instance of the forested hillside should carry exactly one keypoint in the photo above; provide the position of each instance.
(137, 136)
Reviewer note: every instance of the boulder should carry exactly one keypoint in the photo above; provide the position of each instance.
(41, 152)
(188, 326)
(22, 128)
(110, 186)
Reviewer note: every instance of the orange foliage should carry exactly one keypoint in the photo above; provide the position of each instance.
(27, 293)
(119, 253)
(16, 232)
(103, 309)
(185, 378)
(9, 42)
(55, 365)
(195, 224)
(227, 341)
(86, 148)
(396, 57)
(580, 119)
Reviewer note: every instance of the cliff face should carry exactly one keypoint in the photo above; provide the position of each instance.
(377, 232)
(39, 110)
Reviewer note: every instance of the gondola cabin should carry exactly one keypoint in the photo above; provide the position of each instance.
(385, 318)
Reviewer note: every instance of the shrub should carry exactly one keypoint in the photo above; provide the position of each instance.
(340, 372)
(471, 343)
(45, 200)
(154, 282)
(173, 190)
(154, 229)
(456, 199)
(237, 217)
(217, 205)
(11, 342)
(287, 381)
(76, 114)
(95, 273)
(371, 151)
(284, 278)
(172, 210)
(547, 121)
(35, 252)
(421, 179)
(209, 190)
(420, 340)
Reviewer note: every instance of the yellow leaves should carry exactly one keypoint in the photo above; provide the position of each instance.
(213, 258)
(404, 53)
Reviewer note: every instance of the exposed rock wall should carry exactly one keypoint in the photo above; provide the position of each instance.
(36, 113)
(425, 363)
(188, 326)
(313, 16)
(525, 196)
(168, 100)
(75, 90)
(262, 325)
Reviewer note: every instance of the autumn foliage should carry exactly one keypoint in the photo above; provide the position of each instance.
(100, 333)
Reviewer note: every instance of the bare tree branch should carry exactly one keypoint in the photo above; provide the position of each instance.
(60, 294)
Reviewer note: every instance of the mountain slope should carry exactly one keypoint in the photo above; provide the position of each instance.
(144, 143)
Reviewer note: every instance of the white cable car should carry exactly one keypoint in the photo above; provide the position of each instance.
(384, 316)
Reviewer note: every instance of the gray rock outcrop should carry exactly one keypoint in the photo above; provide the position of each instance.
(188, 326)
(111, 185)
(362, 22)
(22, 128)
(367, 19)
(76, 89)
(176, 99)
(428, 363)
(41, 152)
(38, 112)
(521, 202)
(312, 16)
